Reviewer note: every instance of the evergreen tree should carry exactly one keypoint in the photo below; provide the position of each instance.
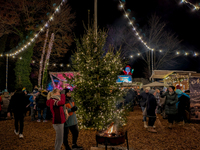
(23, 69)
(96, 88)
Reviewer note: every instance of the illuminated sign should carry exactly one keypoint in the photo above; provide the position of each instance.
(124, 79)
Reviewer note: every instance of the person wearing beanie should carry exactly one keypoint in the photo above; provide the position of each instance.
(183, 101)
(144, 96)
(32, 104)
(170, 105)
(71, 123)
(151, 108)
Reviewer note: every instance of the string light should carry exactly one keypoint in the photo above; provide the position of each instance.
(30, 41)
(195, 7)
(134, 28)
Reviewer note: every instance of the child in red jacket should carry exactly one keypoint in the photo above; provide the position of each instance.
(57, 107)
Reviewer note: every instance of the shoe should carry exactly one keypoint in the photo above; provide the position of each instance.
(17, 133)
(145, 124)
(38, 120)
(151, 129)
(21, 136)
(76, 147)
(170, 125)
(44, 120)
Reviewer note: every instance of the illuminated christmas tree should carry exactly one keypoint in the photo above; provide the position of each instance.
(96, 88)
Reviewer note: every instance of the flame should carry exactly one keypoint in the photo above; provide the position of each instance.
(110, 130)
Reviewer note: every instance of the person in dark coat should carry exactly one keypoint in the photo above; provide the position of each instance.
(144, 96)
(170, 105)
(151, 108)
(18, 106)
(41, 105)
(183, 100)
(71, 123)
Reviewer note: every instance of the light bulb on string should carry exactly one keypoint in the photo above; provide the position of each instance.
(20, 58)
(160, 50)
(177, 53)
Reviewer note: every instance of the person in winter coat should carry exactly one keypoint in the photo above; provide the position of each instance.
(6, 100)
(56, 104)
(32, 104)
(151, 108)
(18, 106)
(170, 105)
(144, 96)
(41, 105)
(183, 100)
(71, 123)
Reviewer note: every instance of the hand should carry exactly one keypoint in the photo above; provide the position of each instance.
(62, 92)
(8, 114)
(73, 109)
(138, 93)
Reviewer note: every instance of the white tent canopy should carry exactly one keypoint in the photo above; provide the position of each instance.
(155, 84)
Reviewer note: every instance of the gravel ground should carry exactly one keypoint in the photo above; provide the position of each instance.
(41, 136)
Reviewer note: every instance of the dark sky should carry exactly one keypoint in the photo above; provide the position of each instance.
(180, 19)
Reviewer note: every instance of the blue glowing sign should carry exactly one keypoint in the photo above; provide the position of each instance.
(124, 78)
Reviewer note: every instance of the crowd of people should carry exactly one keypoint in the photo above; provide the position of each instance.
(58, 105)
(172, 103)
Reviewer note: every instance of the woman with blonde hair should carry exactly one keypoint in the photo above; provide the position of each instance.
(56, 104)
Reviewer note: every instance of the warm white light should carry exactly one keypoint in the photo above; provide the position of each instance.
(54, 64)
(121, 5)
(126, 15)
(177, 53)
(131, 56)
(61, 65)
(186, 54)
(20, 57)
(160, 50)
(33, 61)
(130, 22)
(51, 18)
(68, 65)
(13, 56)
(195, 54)
(29, 43)
(138, 54)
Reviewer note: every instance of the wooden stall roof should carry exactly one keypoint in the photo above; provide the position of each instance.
(155, 84)
(161, 74)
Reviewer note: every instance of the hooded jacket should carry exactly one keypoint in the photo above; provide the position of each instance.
(184, 101)
(170, 103)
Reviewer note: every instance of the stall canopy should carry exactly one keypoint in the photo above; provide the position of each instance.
(162, 74)
(155, 84)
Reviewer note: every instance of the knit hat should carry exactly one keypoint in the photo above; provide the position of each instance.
(178, 91)
(178, 87)
(67, 91)
(24, 89)
(147, 88)
(172, 87)
(152, 91)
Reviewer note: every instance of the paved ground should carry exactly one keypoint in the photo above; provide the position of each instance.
(40, 136)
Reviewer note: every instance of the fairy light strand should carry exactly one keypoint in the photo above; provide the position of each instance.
(36, 35)
(195, 7)
(134, 28)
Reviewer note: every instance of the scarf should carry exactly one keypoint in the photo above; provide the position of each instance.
(55, 98)
(170, 93)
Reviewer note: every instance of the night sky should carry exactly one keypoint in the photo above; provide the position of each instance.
(180, 19)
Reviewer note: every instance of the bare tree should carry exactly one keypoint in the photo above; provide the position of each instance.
(164, 43)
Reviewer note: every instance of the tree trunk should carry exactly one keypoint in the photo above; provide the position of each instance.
(47, 60)
(41, 60)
